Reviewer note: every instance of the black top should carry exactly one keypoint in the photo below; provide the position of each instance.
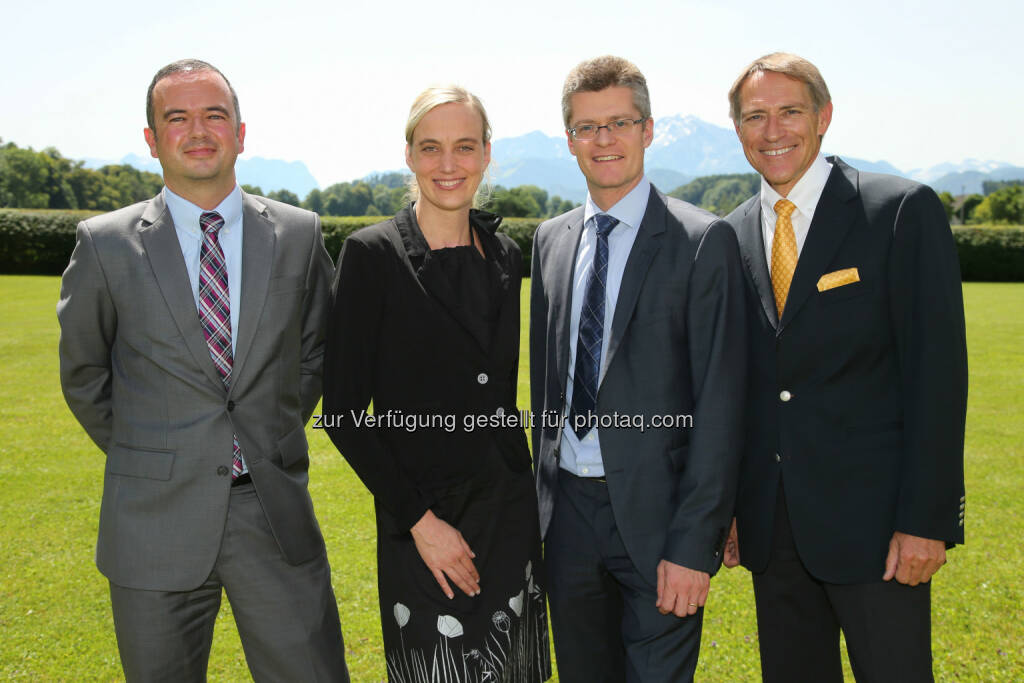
(405, 331)
(473, 294)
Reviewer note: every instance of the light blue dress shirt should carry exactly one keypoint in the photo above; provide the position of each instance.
(582, 457)
(190, 236)
(185, 215)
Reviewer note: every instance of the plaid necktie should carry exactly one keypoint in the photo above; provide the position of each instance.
(591, 334)
(215, 310)
(783, 253)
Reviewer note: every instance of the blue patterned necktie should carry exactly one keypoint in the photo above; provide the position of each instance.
(215, 310)
(591, 335)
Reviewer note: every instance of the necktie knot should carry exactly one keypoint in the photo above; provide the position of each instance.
(211, 222)
(605, 224)
(784, 208)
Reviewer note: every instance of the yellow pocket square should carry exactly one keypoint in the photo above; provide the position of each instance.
(838, 279)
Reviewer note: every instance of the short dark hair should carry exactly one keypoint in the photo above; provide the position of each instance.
(596, 74)
(184, 66)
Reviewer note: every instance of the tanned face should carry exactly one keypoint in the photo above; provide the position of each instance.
(779, 128)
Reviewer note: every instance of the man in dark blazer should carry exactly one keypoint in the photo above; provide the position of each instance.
(190, 351)
(852, 473)
(637, 395)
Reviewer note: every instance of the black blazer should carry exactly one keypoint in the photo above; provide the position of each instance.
(868, 436)
(395, 335)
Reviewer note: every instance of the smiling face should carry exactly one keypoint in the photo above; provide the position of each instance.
(612, 164)
(779, 128)
(448, 156)
(197, 137)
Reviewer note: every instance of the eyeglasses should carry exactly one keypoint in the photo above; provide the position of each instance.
(620, 128)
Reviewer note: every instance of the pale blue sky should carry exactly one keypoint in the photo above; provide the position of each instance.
(915, 83)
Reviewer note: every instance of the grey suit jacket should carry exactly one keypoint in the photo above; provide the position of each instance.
(677, 348)
(137, 374)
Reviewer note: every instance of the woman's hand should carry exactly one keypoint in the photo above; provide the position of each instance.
(445, 552)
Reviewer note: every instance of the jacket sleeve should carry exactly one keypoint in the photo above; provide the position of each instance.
(927, 312)
(88, 325)
(716, 326)
(315, 306)
(538, 347)
(353, 339)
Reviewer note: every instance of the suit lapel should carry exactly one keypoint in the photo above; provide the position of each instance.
(164, 253)
(562, 268)
(258, 242)
(832, 220)
(646, 245)
(751, 239)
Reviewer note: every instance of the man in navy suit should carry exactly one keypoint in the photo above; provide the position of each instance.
(851, 484)
(636, 324)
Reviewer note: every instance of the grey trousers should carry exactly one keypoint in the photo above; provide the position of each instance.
(286, 615)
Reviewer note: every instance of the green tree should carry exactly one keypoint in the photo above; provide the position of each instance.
(25, 178)
(518, 202)
(726, 195)
(286, 196)
(719, 193)
(1005, 205)
(947, 203)
(252, 189)
(969, 204)
(314, 201)
(990, 186)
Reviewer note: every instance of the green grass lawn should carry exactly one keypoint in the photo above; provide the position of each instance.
(54, 606)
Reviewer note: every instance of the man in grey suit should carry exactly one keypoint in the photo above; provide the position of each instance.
(191, 349)
(637, 369)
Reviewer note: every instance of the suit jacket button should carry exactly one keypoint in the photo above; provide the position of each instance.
(785, 395)
(482, 378)
(778, 458)
(222, 471)
(231, 406)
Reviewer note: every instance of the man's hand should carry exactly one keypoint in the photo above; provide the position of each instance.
(731, 555)
(912, 559)
(680, 590)
(445, 551)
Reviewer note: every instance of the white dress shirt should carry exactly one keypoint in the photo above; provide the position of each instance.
(582, 457)
(805, 195)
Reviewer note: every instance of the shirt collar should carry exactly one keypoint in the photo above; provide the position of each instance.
(186, 214)
(805, 194)
(629, 210)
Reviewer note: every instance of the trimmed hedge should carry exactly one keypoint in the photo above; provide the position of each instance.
(40, 242)
(37, 242)
(990, 254)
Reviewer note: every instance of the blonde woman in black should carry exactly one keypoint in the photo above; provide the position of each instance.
(425, 324)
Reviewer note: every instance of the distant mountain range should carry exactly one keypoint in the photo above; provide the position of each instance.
(684, 148)
(268, 174)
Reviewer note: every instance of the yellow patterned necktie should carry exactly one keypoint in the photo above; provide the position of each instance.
(783, 253)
